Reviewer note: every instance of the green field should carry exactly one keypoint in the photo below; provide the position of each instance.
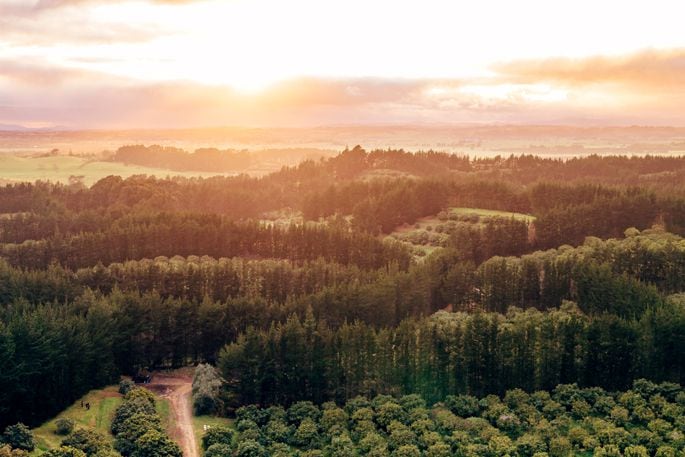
(103, 403)
(60, 168)
(199, 423)
(490, 213)
(164, 411)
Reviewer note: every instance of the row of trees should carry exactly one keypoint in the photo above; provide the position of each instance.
(171, 158)
(178, 234)
(476, 353)
(621, 276)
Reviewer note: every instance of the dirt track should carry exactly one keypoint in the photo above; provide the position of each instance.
(177, 388)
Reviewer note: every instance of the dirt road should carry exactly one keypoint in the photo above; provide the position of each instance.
(177, 388)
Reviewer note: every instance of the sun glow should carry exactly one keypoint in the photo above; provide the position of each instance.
(339, 61)
(252, 44)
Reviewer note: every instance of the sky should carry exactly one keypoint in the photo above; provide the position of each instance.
(298, 63)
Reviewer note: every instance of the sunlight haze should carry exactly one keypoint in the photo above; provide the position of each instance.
(293, 63)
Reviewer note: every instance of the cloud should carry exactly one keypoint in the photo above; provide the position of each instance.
(50, 22)
(21, 7)
(349, 91)
(656, 70)
(28, 74)
(593, 90)
(73, 97)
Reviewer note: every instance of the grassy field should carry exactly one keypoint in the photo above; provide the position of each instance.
(164, 411)
(199, 423)
(60, 168)
(103, 403)
(490, 213)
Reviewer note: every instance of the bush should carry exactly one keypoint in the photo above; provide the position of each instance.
(132, 429)
(217, 435)
(136, 404)
(89, 441)
(219, 450)
(250, 448)
(307, 434)
(19, 436)
(156, 444)
(303, 410)
(64, 426)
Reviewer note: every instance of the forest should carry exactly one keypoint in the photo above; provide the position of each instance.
(528, 306)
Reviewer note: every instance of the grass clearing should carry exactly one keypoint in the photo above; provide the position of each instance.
(103, 403)
(199, 423)
(164, 410)
(490, 213)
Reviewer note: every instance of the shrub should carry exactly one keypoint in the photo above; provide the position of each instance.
(89, 441)
(341, 446)
(250, 448)
(371, 441)
(64, 426)
(332, 417)
(219, 450)
(156, 444)
(389, 412)
(217, 435)
(19, 436)
(132, 429)
(307, 434)
(136, 404)
(278, 431)
(302, 410)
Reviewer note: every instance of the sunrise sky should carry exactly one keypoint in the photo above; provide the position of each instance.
(123, 64)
